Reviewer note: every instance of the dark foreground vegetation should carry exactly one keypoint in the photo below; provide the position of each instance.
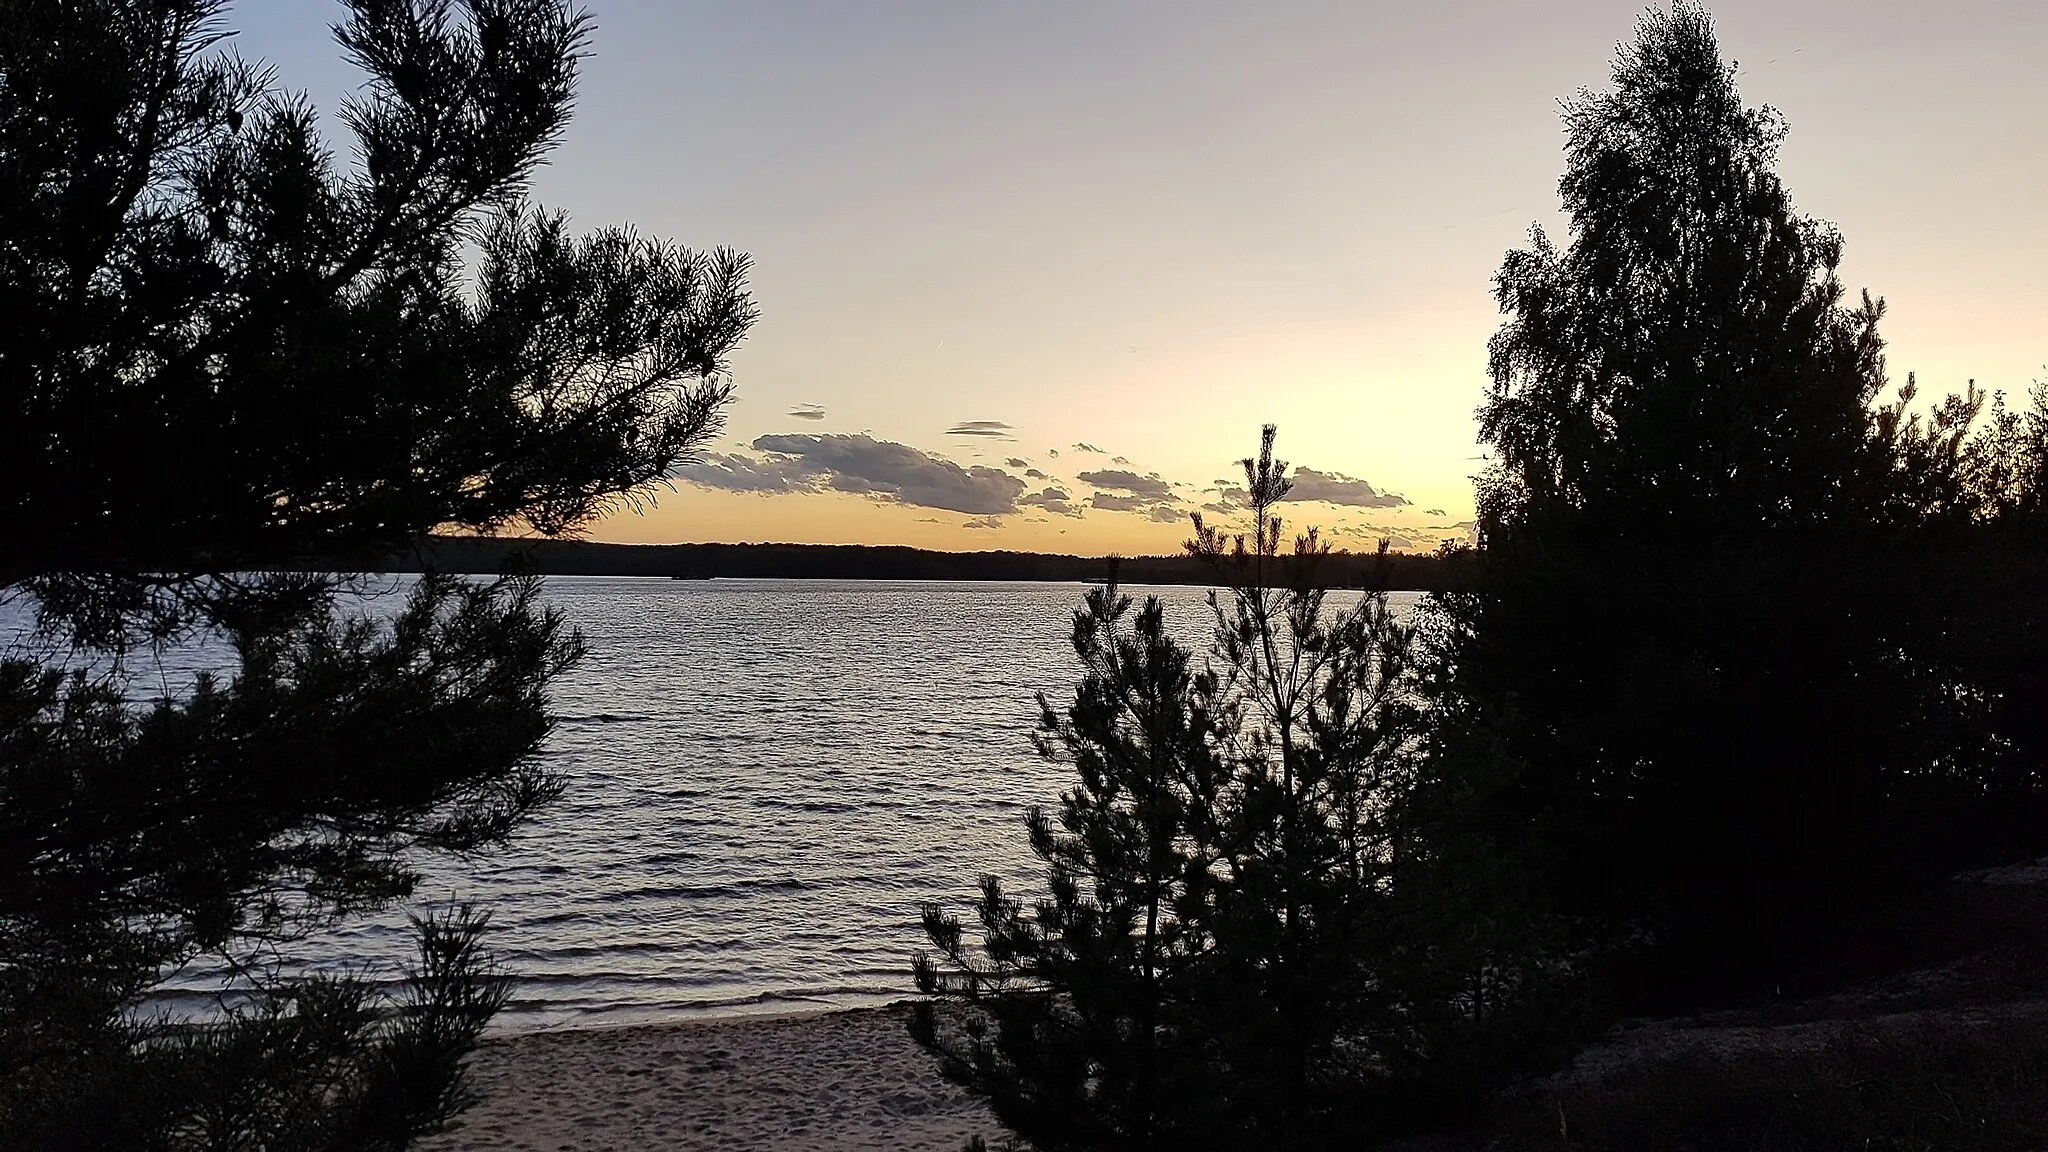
(1921, 1029)
(492, 556)
(230, 363)
(1934, 1087)
(1749, 661)
(1751, 655)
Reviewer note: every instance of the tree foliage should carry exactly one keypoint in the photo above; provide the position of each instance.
(1685, 367)
(1731, 621)
(1205, 970)
(237, 361)
(227, 340)
(1753, 645)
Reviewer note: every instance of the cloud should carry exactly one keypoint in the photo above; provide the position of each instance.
(1147, 488)
(1053, 452)
(1084, 447)
(1035, 474)
(744, 474)
(1118, 460)
(983, 522)
(808, 412)
(1309, 484)
(1122, 490)
(896, 473)
(1434, 512)
(1112, 502)
(1053, 500)
(1014, 462)
(1372, 534)
(1229, 498)
(980, 428)
(1337, 488)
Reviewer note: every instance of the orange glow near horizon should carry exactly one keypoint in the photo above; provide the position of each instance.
(1152, 228)
(695, 515)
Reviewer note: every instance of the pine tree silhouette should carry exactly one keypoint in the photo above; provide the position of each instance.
(1204, 971)
(231, 367)
(1716, 601)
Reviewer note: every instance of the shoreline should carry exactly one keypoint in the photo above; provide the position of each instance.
(753, 1008)
(821, 1079)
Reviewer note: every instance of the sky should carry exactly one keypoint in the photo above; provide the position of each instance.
(1031, 276)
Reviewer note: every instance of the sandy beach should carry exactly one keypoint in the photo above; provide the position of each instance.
(822, 1082)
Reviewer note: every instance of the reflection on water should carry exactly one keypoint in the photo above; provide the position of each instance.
(765, 778)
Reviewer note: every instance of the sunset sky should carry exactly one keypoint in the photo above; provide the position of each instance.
(1032, 275)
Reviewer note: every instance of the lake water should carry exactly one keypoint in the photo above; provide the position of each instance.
(765, 778)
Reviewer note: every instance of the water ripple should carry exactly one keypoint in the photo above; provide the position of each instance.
(765, 778)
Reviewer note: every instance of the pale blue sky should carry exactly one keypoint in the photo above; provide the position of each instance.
(1150, 227)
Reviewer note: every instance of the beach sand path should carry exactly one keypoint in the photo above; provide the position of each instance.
(849, 1081)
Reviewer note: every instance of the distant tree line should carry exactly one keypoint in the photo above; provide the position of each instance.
(497, 555)
(1750, 650)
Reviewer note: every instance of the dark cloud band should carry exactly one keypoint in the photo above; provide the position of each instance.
(991, 428)
(1123, 480)
(1337, 488)
(897, 473)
